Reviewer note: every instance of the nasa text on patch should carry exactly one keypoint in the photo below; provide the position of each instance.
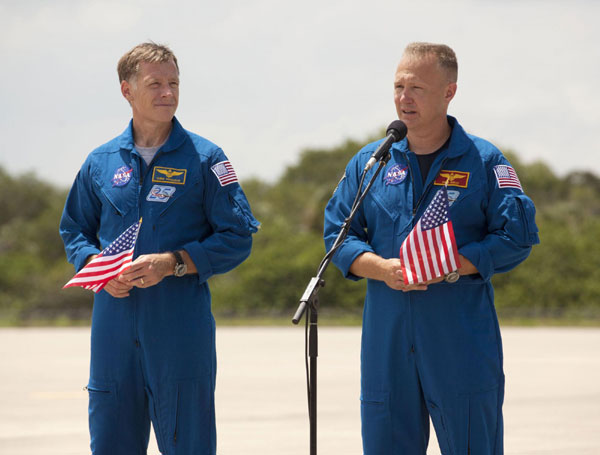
(169, 175)
(122, 176)
(160, 193)
(396, 174)
(224, 172)
(452, 178)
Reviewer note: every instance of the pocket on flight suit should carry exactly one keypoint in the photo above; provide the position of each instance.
(248, 225)
(483, 423)
(526, 216)
(184, 417)
(441, 430)
(103, 411)
(376, 421)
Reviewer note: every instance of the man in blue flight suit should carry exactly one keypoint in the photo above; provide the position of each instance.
(153, 334)
(432, 349)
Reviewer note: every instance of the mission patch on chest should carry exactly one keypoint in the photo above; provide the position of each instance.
(169, 175)
(452, 178)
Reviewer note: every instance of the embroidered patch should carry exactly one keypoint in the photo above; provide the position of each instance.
(160, 193)
(452, 178)
(452, 196)
(507, 177)
(169, 175)
(122, 176)
(396, 174)
(224, 172)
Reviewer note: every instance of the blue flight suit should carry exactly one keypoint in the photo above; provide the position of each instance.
(437, 352)
(153, 353)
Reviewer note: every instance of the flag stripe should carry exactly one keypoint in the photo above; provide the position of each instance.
(432, 247)
(424, 262)
(406, 273)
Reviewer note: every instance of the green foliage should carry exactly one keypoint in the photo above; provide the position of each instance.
(32, 259)
(561, 278)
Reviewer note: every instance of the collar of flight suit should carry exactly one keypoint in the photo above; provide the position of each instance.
(459, 141)
(177, 137)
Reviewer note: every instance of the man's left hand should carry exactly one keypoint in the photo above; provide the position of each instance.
(149, 269)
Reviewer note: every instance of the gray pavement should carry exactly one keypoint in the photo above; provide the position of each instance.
(552, 403)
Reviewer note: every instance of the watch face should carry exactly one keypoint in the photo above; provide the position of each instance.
(452, 277)
(180, 270)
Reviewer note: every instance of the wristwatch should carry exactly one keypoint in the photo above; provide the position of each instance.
(452, 277)
(180, 266)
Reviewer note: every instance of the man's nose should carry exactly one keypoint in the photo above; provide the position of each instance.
(404, 96)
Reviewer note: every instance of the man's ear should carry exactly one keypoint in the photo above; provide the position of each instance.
(126, 91)
(450, 91)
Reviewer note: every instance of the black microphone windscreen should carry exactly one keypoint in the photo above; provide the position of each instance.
(398, 129)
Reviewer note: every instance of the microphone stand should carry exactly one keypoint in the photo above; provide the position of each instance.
(309, 302)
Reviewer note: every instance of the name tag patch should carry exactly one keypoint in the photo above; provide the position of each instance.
(452, 178)
(169, 175)
(160, 193)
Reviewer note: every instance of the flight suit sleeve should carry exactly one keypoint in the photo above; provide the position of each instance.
(80, 219)
(511, 228)
(336, 211)
(231, 220)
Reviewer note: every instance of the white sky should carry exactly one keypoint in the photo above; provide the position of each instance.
(265, 79)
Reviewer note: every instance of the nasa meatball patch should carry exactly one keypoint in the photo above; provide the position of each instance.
(396, 174)
(122, 176)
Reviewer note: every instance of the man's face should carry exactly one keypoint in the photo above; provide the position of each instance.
(154, 92)
(422, 92)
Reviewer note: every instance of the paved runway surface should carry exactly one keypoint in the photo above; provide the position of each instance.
(552, 403)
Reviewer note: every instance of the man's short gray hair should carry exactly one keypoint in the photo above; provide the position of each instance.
(149, 52)
(445, 56)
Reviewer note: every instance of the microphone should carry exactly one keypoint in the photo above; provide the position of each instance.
(395, 132)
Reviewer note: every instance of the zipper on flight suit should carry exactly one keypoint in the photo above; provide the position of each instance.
(426, 189)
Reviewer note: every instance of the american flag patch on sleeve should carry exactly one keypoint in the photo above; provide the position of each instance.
(224, 172)
(507, 177)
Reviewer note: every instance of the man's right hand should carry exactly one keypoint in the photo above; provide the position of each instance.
(370, 265)
(118, 288)
(115, 287)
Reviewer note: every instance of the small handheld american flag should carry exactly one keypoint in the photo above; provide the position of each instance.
(430, 249)
(115, 258)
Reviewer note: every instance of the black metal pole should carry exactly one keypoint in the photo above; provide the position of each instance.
(309, 302)
(313, 353)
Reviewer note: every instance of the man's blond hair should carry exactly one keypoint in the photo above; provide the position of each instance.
(444, 55)
(150, 52)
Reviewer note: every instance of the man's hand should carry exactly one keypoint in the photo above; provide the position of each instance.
(148, 270)
(394, 278)
(118, 288)
(115, 287)
(370, 265)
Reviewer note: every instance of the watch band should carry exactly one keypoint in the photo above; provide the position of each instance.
(178, 258)
(180, 266)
